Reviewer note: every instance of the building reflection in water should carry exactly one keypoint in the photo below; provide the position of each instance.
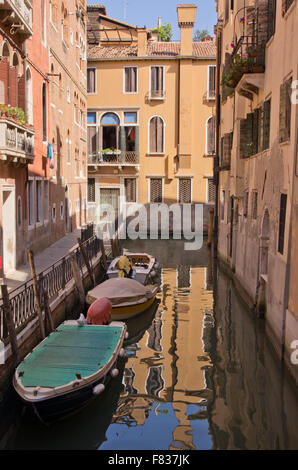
(166, 375)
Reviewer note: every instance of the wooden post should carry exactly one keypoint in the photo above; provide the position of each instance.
(103, 254)
(210, 226)
(47, 309)
(35, 291)
(86, 259)
(78, 280)
(8, 314)
(114, 249)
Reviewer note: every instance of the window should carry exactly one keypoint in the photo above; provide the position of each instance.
(210, 190)
(61, 210)
(157, 82)
(31, 202)
(211, 136)
(43, 21)
(130, 138)
(271, 18)
(282, 222)
(130, 79)
(226, 149)
(92, 141)
(38, 201)
(44, 113)
(54, 212)
(29, 96)
(19, 212)
(245, 204)
(91, 189)
(266, 124)
(68, 95)
(227, 10)
(110, 125)
(285, 111)
(91, 80)
(254, 205)
(130, 189)
(156, 131)
(155, 190)
(211, 82)
(184, 190)
(46, 199)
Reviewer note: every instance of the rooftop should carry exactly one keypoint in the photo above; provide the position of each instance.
(154, 49)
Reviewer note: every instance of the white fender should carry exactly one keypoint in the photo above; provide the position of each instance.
(122, 353)
(156, 265)
(126, 335)
(153, 273)
(98, 389)
(114, 373)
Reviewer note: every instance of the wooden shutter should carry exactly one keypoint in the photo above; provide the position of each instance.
(91, 80)
(156, 190)
(282, 113)
(282, 222)
(254, 202)
(266, 124)
(211, 190)
(91, 137)
(246, 136)
(91, 189)
(127, 80)
(288, 109)
(271, 18)
(184, 190)
(130, 189)
(156, 135)
(245, 204)
(211, 85)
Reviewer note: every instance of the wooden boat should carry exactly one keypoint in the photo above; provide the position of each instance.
(144, 267)
(69, 367)
(128, 297)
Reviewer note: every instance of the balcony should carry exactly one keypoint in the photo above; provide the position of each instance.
(16, 142)
(18, 15)
(116, 158)
(246, 65)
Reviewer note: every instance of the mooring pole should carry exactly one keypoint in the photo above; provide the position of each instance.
(35, 292)
(8, 315)
(86, 259)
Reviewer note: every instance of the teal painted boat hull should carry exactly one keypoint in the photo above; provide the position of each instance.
(70, 368)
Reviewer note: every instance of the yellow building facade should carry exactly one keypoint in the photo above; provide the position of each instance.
(150, 115)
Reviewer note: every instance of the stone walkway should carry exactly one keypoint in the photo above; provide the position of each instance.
(43, 260)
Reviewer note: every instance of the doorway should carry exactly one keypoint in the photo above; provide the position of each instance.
(8, 229)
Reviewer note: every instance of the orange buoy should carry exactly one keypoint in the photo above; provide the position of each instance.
(99, 312)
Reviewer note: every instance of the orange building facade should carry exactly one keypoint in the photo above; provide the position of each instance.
(150, 117)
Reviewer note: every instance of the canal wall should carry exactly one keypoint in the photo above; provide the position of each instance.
(65, 306)
(281, 329)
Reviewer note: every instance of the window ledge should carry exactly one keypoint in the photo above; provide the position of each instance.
(286, 142)
(157, 154)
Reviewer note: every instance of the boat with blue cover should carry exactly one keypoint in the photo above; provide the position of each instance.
(69, 367)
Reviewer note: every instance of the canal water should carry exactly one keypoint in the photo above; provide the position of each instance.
(199, 374)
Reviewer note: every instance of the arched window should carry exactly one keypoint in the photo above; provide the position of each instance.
(5, 50)
(156, 135)
(110, 126)
(210, 144)
(19, 211)
(44, 112)
(29, 96)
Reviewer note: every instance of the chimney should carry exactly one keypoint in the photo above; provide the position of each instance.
(142, 42)
(186, 22)
(159, 22)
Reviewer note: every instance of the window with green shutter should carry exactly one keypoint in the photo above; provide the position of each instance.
(285, 111)
(246, 136)
(271, 18)
(266, 124)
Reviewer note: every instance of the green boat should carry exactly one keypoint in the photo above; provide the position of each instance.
(69, 367)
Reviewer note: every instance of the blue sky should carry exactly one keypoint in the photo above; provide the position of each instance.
(146, 12)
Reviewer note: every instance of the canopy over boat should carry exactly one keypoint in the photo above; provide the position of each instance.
(122, 291)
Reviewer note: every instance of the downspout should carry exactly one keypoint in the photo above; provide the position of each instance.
(216, 159)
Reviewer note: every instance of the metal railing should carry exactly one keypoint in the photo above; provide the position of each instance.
(250, 52)
(122, 157)
(53, 280)
(87, 231)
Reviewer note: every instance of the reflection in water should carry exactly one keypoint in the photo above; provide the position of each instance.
(199, 374)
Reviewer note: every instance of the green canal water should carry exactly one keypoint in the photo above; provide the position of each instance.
(199, 374)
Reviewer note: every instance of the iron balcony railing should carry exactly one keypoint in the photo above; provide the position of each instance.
(114, 158)
(248, 57)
